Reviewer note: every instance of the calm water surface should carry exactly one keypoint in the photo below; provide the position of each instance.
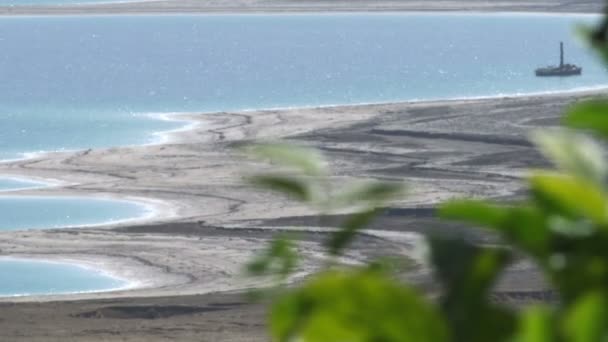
(82, 82)
(7, 184)
(27, 277)
(18, 213)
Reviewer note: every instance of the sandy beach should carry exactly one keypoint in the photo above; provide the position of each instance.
(300, 6)
(441, 149)
(186, 261)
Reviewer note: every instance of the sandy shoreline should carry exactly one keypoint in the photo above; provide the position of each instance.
(442, 149)
(196, 179)
(303, 6)
(70, 183)
(94, 266)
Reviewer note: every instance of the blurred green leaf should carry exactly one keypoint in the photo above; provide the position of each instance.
(305, 160)
(476, 212)
(571, 228)
(370, 194)
(258, 266)
(348, 230)
(285, 252)
(527, 229)
(468, 273)
(587, 320)
(279, 258)
(286, 185)
(590, 115)
(597, 35)
(523, 225)
(573, 153)
(391, 264)
(569, 196)
(536, 325)
(355, 306)
(471, 275)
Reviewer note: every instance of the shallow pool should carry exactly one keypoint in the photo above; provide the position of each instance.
(19, 277)
(10, 184)
(17, 212)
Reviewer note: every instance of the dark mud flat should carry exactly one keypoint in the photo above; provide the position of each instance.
(215, 317)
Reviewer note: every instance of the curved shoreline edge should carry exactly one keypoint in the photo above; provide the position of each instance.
(208, 129)
(151, 209)
(191, 124)
(128, 283)
(201, 193)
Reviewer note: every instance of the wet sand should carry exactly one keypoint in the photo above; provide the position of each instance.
(441, 149)
(278, 6)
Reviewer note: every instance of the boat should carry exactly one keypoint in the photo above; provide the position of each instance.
(562, 69)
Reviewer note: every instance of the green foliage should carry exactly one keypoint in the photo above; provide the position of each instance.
(535, 325)
(585, 116)
(289, 186)
(524, 226)
(280, 259)
(572, 152)
(586, 320)
(340, 239)
(468, 273)
(302, 175)
(562, 227)
(357, 305)
(307, 161)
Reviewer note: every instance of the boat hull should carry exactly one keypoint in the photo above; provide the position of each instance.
(559, 72)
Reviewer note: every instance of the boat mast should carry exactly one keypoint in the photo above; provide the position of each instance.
(561, 54)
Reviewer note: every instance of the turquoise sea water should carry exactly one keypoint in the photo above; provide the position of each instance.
(79, 82)
(18, 213)
(7, 184)
(27, 277)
